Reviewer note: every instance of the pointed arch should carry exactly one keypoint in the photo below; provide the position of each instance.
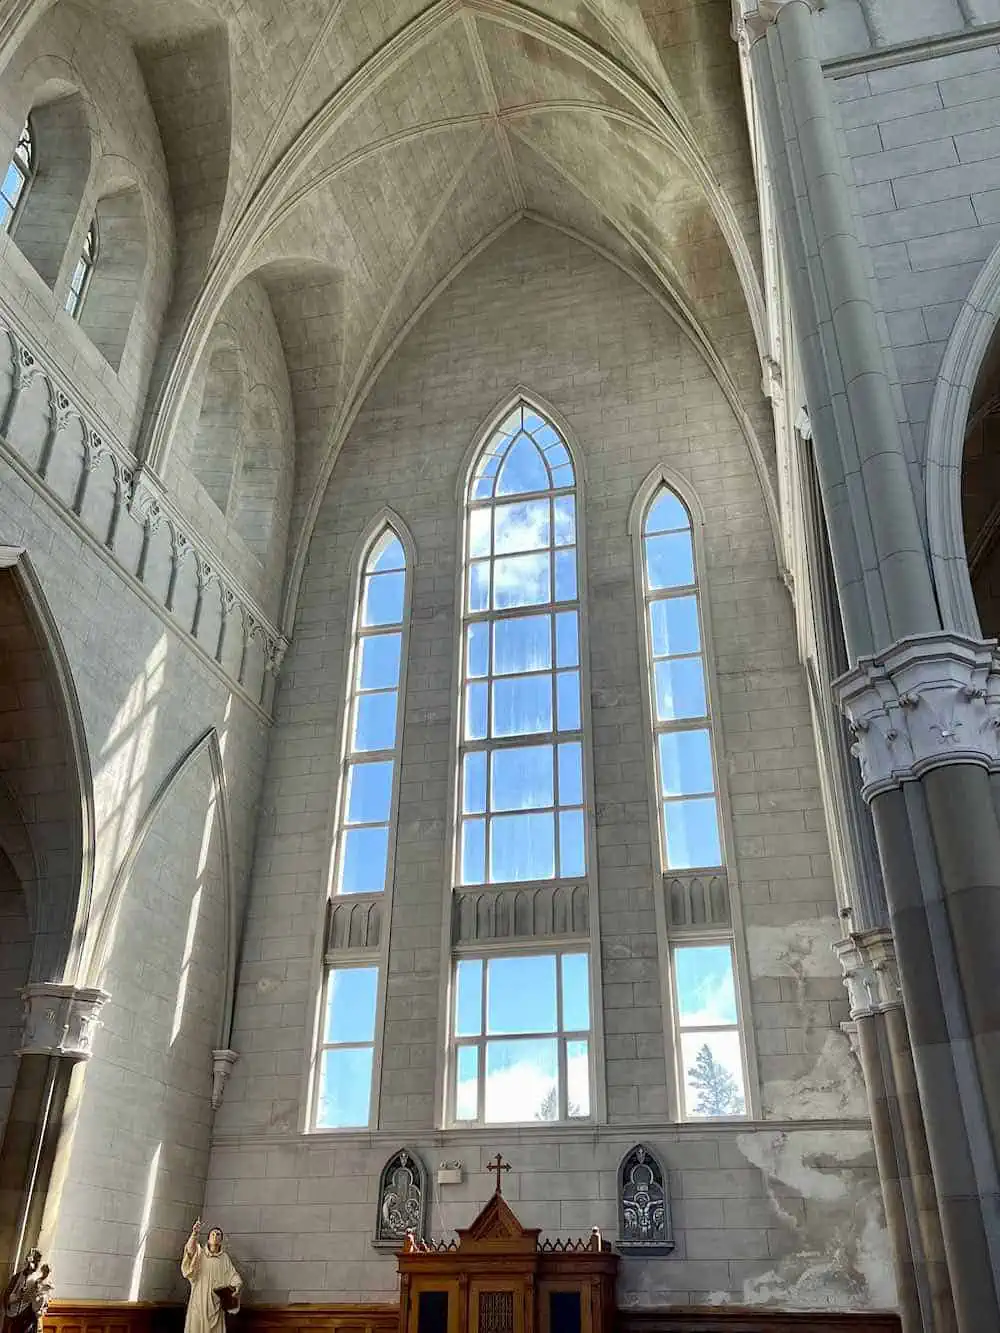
(62, 961)
(974, 330)
(402, 1199)
(643, 1204)
(99, 953)
(520, 393)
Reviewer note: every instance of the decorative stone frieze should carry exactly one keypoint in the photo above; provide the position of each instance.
(222, 1067)
(60, 1020)
(930, 700)
(535, 912)
(868, 959)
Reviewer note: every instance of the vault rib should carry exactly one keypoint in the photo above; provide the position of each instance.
(482, 67)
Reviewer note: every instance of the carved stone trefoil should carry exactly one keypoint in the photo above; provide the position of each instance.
(60, 1020)
(643, 1205)
(402, 1199)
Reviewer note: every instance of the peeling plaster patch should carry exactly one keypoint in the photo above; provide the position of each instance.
(832, 1090)
(802, 949)
(842, 1258)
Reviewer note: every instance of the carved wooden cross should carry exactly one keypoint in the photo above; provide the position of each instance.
(498, 1165)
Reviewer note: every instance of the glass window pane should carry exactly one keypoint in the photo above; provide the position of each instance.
(479, 585)
(382, 603)
(475, 712)
(477, 652)
(680, 689)
(369, 793)
(374, 722)
(474, 783)
(564, 510)
(692, 834)
(522, 705)
(567, 639)
(522, 847)
(350, 1004)
(469, 997)
(666, 514)
(713, 1074)
(572, 855)
(467, 1083)
(685, 763)
(345, 1088)
(479, 531)
(674, 622)
(521, 527)
(669, 561)
(522, 1081)
(387, 553)
(473, 851)
(520, 580)
(521, 994)
(571, 774)
(378, 667)
(522, 778)
(568, 693)
(557, 456)
(562, 476)
(522, 643)
(522, 470)
(577, 1079)
(364, 854)
(575, 992)
(566, 576)
(706, 991)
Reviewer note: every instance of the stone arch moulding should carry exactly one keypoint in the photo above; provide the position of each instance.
(99, 953)
(16, 559)
(662, 475)
(643, 1204)
(402, 1199)
(517, 395)
(946, 428)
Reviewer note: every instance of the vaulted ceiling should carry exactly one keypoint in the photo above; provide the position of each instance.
(361, 151)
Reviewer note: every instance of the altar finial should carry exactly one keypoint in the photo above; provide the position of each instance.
(498, 1165)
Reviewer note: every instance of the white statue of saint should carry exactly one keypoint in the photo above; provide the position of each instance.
(215, 1283)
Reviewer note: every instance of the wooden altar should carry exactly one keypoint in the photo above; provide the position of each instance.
(499, 1278)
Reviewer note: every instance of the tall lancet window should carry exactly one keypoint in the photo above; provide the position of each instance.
(521, 1021)
(19, 174)
(366, 818)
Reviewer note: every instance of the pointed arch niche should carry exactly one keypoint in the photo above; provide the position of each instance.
(402, 1200)
(524, 1037)
(643, 1204)
(363, 856)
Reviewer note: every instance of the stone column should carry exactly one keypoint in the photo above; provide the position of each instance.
(924, 705)
(869, 962)
(59, 1023)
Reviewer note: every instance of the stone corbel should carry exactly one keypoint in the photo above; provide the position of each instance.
(222, 1067)
(60, 1020)
(868, 959)
(930, 700)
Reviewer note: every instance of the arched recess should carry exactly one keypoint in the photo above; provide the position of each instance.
(17, 878)
(47, 810)
(116, 282)
(964, 509)
(63, 151)
(99, 953)
(222, 419)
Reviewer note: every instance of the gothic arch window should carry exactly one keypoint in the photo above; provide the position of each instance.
(710, 1065)
(643, 1204)
(522, 1028)
(402, 1199)
(83, 271)
(367, 803)
(18, 177)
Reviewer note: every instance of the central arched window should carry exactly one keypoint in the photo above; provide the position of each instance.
(521, 1023)
(522, 743)
(17, 178)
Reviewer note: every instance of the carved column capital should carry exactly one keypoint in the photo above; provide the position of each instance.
(868, 959)
(222, 1067)
(60, 1020)
(752, 18)
(929, 700)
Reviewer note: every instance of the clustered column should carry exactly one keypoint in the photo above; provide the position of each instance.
(924, 709)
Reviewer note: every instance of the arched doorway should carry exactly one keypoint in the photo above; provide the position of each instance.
(981, 491)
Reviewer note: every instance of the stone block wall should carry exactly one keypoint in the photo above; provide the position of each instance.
(541, 310)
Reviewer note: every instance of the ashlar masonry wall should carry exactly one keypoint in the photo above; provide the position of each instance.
(783, 1209)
